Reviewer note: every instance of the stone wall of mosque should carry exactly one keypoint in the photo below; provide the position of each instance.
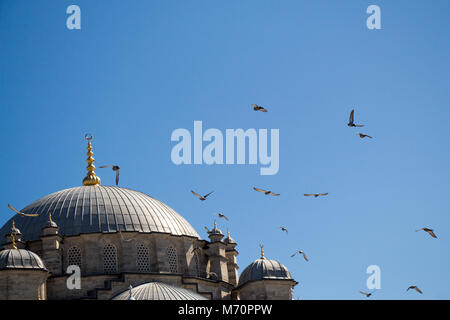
(267, 290)
(104, 258)
(22, 284)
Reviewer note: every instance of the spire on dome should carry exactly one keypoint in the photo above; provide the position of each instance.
(91, 178)
(262, 251)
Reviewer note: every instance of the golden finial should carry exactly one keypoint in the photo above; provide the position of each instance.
(262, 251)
(228, 233)
(215, 224)
(91, 179)
(50, 217)
(13, 225)
(13, 239)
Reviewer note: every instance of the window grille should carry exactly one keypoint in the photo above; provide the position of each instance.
(142, 258)
(173, 261)
(109, 259)
(74, 256)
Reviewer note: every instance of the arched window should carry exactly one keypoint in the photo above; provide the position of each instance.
(74, 256)
(109, 259)
(172, 258)
(142, 258)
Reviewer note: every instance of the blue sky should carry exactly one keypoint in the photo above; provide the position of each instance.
(137, 70)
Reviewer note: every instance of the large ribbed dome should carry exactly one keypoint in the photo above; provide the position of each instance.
(92, 209)
(158, 291)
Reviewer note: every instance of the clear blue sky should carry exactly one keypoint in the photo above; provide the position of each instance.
(140, 69)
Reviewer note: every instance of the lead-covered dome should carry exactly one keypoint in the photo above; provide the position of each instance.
(93, 209)
(20, 259)
(158, 291)
(263, 269)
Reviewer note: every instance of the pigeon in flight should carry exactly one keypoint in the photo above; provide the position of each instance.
(121, 236)
(259, 108)
(283, 229)
(362, 135)
(414, 288)
(116, 169)
(23, 214)
(429, 231)
(350, 121)
(366, 294)
(202, 198)
(315, 194)
(222, 216)
(302, 253)
(266, 192)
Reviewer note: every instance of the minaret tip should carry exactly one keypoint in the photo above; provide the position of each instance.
(91, 178)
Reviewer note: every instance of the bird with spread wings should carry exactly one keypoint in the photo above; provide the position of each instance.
(22, 214)
(414, 288)
(222, 216)
(202, 198)
(429, 231)
(300, 252)
(366, 294)
(116, 169)
(266, 192)
(315, 194)
(351, 120)
(362, 135)
(258, 108)
(283, 229)
(121, 236)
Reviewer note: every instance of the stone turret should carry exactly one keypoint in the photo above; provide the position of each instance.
(231, 254)
(217, 254)
(51, 246)
(265, 279)
(23, 275)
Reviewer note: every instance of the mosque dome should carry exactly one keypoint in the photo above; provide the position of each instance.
(100, 209)
(158, 291)
(20, 259)
(263, 269)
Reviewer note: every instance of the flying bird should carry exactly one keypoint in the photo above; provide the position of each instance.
(266, 192)
(23, 214)
(283, 229)
(195, 249)
(315, 194)
(121, 236)
(429, 231)
(202, 198)
(222, 216)
(116, 169)
(366, 294)
(350, 121)
(259, 108)
(415, 288)
(362, 135)
(207, 230)
(302, 253)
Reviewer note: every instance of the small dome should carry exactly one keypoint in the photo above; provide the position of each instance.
(20, 259)
(215, 230)
(158, 291)
(229, 239)
(14, 230)
(263, 269)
